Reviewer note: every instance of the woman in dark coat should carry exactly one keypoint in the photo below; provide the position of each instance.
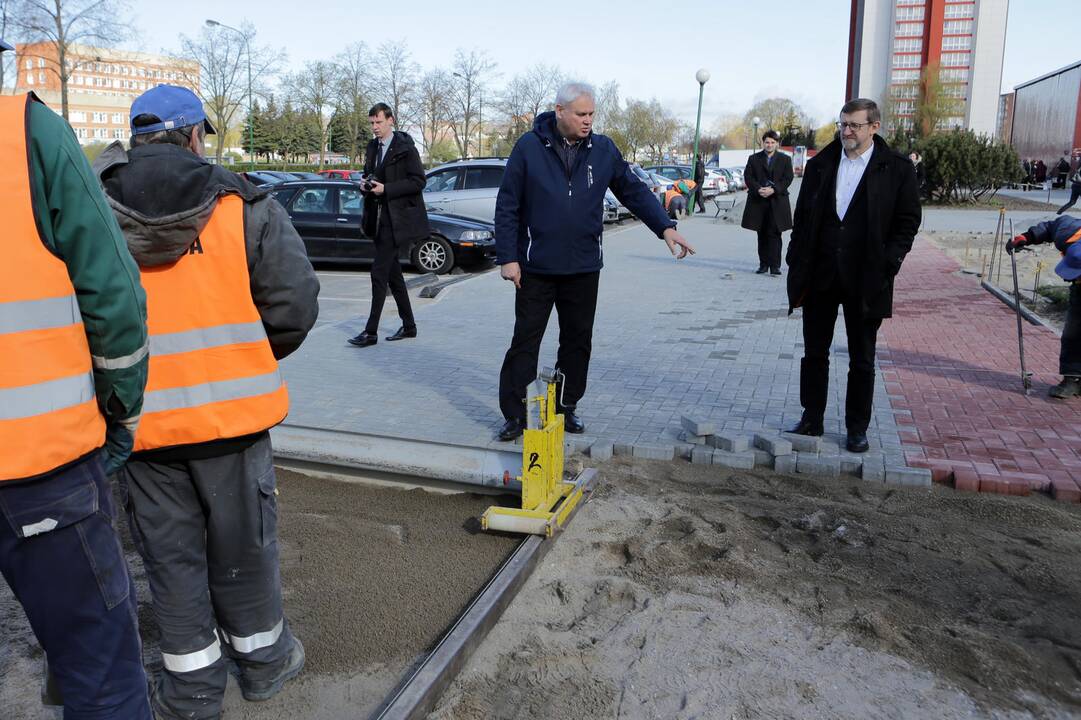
(768, 175)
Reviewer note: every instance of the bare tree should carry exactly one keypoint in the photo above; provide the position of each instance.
(354, 93)
(7, 60)
(220, 73)
(607, 105)
(58, 26)
(433, 98)
(541, 83)
(471, 72)
(513, 102)
(395, 79)
(313, 89)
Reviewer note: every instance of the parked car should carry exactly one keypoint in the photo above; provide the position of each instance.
(679, 172)
(327, 215)
(738, 173)
(466, 188)
(719, 180)
(306, 176)
(262, 178)
(336, 173)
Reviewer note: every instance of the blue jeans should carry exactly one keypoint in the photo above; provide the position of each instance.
(61, 555)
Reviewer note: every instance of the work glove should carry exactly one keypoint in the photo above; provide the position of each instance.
(1017, 241)
(119, 440)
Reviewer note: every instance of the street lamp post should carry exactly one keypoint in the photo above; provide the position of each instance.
(755, 120)
(251, 116)
(702, 76)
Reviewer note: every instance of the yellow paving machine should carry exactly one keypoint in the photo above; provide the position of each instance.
(547, 498)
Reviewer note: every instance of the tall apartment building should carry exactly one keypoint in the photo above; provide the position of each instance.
(102, 85)
(891, 42)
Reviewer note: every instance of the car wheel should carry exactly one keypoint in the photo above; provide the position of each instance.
(433, 255)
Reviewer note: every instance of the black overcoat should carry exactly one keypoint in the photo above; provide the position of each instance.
(758, 175)
(893, 206)
(402, 175)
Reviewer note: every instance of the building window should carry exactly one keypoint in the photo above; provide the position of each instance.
(906, 61)
(41, 62)
(29, 64)
(959, 11)
(101, 134)
(29, 78)
(956, 42)
(900, 76)
(100, 117)
(914, 12)
(908, 29)
(118, 118)
(81, 133)
(954, 90)
(957, 27)
(953, 75)
(906, 91)
(119, 134)
(955, 59)
(77, 116)
(912, 44)
(910, 2)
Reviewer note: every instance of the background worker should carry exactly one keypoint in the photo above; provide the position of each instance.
(230, 291)
(73, 350)
(1064, 232)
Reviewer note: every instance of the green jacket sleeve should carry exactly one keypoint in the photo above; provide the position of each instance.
(79, 227)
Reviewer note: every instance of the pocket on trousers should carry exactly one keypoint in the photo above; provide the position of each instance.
(268, 508)
(101, 545)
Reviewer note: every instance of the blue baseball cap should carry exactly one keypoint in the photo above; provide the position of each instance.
(174, 107)
(1069, 267)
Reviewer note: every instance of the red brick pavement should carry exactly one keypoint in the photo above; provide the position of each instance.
(949, 355)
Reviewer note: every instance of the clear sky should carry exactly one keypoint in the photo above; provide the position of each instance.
(753, 49)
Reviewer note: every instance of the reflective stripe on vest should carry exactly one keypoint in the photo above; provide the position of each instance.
(48, 410)
(212, 374)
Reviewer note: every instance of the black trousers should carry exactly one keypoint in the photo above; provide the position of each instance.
(1075, 192)
(1069, 358)
(575, 300)
(819, 319)
(769, 242)
(698, 199)
(386, 270)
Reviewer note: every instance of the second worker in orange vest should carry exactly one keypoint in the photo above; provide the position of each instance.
(230, 291)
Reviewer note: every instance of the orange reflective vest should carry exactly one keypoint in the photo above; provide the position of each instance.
(212, 374)
(49, 413)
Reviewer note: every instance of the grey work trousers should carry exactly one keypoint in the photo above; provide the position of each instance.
(207, 533)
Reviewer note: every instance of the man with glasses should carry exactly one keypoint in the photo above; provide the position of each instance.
(856, 217)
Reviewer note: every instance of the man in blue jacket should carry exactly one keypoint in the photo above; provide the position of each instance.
(548, 227)
(1064, 232)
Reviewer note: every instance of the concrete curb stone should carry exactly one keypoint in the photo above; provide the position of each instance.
(729, 443)
(736, 461)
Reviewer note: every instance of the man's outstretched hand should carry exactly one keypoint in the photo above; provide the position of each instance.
(674, 240)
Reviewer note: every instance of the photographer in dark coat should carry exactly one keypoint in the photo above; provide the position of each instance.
(856, 217)
(394, 217)
(768, 175)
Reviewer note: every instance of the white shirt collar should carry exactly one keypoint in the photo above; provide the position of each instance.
(861, 159)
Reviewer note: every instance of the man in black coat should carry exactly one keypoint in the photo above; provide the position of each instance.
(394, 217)
(768, 175)
(856, 217)
(699, 178)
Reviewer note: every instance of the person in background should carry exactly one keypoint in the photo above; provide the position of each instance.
(768, 175)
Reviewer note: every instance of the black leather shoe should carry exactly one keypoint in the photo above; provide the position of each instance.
(402, 334)
(762, 270)
(774, 271)
(364, 339)
(511, 429)
(572, 423)
(808, 426)
(857, 442)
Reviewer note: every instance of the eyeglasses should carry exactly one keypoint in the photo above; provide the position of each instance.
(852, 126)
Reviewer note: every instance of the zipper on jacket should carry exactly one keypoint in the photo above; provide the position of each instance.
(530, 245)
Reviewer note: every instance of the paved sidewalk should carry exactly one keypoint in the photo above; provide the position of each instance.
(950, 357)
(703, 336)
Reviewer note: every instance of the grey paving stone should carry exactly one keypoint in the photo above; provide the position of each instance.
(622, 448)
(852, 463)
(772, 444)
(601, 450)
(873, 472)
(821, 465)
(803, 443)
(917, 477)
(729, 442)
(653, 452)
(696, 426)
(701, 456)
(687, 437)
(738, 461)
(785, 463)
(762, 459)
(684, 450)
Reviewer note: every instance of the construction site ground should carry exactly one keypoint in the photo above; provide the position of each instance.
(686, 591)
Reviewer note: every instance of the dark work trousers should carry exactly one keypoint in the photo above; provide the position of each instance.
(73, 583)
(1075, 192)
(575, 300)
(819, 319)
(1069, 357)
(769, 242)
(207, 531)
(387, 270)
(698, 199)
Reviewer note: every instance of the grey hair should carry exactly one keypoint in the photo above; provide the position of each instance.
(569, 92)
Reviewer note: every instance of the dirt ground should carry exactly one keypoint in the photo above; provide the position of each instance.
(685, 591)
(973, 252)
(372, 577)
